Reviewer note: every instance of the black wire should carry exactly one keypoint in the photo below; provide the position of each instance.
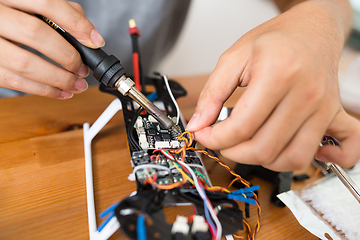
(130, 130)
(131, 141)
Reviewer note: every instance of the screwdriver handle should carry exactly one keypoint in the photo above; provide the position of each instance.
(106, 68)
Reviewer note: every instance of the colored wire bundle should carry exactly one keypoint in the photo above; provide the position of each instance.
(200, 183)
(189, 175)
(187, 137)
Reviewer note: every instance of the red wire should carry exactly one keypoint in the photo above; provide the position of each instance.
(136, 70)
(212, 231)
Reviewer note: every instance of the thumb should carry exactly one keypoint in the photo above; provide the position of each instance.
(346, 129)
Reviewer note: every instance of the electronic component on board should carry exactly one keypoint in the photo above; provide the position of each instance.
(152, 136)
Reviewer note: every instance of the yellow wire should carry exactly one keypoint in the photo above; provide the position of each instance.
(188, 143)
(217, 188)
(184, 174)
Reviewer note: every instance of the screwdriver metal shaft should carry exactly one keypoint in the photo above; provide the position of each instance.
(342, 175)
(345, 179)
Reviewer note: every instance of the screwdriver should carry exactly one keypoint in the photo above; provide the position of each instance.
(108, 70)
(339, 171)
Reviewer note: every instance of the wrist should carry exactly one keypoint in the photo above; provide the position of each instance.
(317, 25)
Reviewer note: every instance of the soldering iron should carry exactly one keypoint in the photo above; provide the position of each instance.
(108, 70)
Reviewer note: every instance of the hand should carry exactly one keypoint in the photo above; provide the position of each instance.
(289, 65)
(27, 72)
(346, 129)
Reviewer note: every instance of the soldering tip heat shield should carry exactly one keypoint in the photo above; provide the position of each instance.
(124, 84)
(127, 88)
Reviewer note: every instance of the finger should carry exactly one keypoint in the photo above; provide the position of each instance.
(299, 153)
(28, 30)
(84, 70)
(220, 85)
(66, 16)
(265, 89)
(10, 80)
(279, 145)
(78, 8)
(31, 66)
(278, 130)
(346, 129)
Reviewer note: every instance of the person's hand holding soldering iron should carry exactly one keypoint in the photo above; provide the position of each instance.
(24, 71)
(290, 67)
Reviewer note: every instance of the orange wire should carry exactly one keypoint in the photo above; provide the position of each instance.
(187, 143)
(232, 182)
(183, 149)
(237, 236)
(166, 186)
(316, 172)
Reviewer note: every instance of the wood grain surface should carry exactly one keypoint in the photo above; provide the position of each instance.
(42, 172)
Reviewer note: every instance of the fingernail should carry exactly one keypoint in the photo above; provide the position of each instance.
(192, 123)
(96, 38)
(83, 71)
(81, 84)
(66, 95)
(322, 158)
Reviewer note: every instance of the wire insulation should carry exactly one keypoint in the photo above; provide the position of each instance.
(172, 98)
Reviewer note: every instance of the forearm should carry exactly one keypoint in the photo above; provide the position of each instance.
(340, 10)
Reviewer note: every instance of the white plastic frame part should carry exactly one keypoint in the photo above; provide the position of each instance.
(89, 133)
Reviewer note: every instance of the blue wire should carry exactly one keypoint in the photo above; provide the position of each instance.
(152, 96)
(108, 210)
(241, 198)
(103, 224)
(140, 227)
(206, 211)
(246, 190)
(207, 216)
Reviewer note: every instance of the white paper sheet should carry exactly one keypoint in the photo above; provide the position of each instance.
(306, 216)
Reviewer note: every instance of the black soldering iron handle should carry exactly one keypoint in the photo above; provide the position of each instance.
(106, 68)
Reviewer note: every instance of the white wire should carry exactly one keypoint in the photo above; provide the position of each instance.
(150, 166)
(172, 98)
(203, 196)
(197, 166)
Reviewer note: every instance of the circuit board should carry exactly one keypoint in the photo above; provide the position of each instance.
(168, 171)
(152, 136)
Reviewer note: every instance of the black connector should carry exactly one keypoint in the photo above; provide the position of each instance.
(106, 68)
(178, 236)
(202, 236)
(300, 177)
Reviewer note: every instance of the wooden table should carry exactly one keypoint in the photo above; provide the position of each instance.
(42, 173)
